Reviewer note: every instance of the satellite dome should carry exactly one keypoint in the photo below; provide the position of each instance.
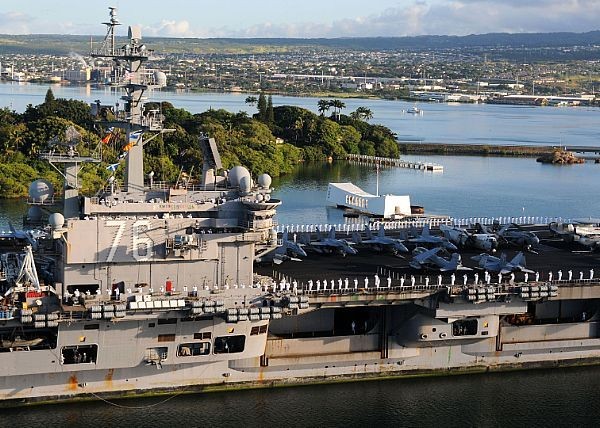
(56, 220)
(264, 181)
(34, 213)
(235, 175)
(245, 184)
(40, 190)
(160, 78)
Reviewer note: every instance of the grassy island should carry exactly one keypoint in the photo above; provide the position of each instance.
(273, 140)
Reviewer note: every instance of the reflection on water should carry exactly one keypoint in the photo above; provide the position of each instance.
(530, 399)
(12, 211)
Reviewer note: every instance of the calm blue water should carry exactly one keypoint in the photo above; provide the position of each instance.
(470, 186)
(445, 123)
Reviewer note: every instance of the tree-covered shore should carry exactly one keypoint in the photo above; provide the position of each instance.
(273, 140)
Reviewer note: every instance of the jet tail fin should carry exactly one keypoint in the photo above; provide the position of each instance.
(425, 231)
(332, 232)
(518, 260)
(368, 232)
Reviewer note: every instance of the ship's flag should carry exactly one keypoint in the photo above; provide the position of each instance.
(108, 137)
(134, 137)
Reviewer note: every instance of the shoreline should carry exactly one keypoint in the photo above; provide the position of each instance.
(474, 149)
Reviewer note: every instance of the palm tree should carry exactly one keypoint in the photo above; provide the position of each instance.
(337, 107)
(324, 105)
(251, 100)
(364, 113)
(298, 127)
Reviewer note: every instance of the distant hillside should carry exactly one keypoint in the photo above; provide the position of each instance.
(62, 44)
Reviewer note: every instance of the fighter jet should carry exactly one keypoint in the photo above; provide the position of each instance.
(24, 236)
(462, 238)
(501, 265)
(429, 259)
(512, 234)
(329, 244)
(585, 232)
(426, 238)
(380, 242)
(288, 250)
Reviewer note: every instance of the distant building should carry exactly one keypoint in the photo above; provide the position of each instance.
(82, 75)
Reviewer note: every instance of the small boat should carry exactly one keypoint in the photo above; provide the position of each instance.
(414, 110)
(19, 343)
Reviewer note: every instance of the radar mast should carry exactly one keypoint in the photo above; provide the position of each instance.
(133, 119)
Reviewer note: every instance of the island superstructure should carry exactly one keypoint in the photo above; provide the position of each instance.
(150, 287)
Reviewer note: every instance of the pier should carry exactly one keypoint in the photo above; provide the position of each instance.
(394, 162)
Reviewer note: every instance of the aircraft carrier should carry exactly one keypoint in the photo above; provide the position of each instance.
(150, 287)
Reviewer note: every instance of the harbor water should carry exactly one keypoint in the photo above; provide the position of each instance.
(469, 186)
(440, 122)
(558, 398)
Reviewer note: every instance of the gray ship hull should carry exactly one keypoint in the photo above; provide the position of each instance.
(394, 341)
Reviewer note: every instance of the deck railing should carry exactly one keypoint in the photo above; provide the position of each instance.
(419, 222)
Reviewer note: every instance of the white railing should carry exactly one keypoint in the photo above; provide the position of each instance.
(419, 222)
(406, 283)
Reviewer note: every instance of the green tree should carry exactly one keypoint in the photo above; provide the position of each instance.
(262, 108)
(362, 113)
(323, 106)
(270, 117)
(350, 139)
(251, 100)
(338, 105)
(49, 99)
(329, 137)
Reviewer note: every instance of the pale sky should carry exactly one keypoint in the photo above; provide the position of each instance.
(301, 18)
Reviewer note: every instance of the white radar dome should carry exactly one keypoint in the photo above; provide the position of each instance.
(235, 175)
(56, 220)
(264, 181)
(41, 190)
(160, 78)
(34, 213)
(245, 184)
